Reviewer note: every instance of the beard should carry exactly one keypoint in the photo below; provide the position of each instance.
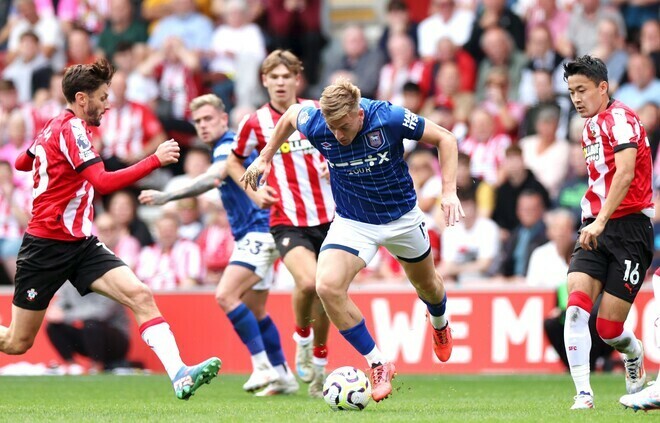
(94, 116)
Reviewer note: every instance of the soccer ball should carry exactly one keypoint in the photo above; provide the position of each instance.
(347, 388)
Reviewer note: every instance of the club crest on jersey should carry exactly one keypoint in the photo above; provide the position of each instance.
(375, 139)
(593, 129)
(31, 294)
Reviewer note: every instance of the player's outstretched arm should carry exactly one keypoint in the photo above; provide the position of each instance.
(448, 155)
(106, 182)
(208, 180)
(261, 166)
(264, 197)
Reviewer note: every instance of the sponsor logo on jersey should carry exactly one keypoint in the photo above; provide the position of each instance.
(31, 294)
(293, 146)
(358, 166)
(374, 139)
(410, 119)
(592, 152)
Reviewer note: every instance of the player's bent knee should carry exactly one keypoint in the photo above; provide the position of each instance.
(140, 296)
(608, 329)
(18, 347)
(225, 300)
(327, 290)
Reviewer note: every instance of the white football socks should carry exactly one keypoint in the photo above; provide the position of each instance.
(438, 322)
(375, 356)
(161, 340)
(578, 346)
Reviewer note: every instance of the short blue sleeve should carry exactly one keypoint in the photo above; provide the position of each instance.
(405, 123)
(308, 121)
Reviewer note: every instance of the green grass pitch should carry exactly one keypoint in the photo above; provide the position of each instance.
(415, 398)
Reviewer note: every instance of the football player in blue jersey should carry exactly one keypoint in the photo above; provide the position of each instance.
(243, 288)
(362, 141)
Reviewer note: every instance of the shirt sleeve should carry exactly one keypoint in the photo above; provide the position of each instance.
(624, 132)
(77, 147)
(246, 138)
(308, 120)
(405, 124)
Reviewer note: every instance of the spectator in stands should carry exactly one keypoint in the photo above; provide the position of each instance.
(237, 49)
(14, 215)
(649, 115)
(190, 218)
(296, 25)
(172, 262)
(507, 112)
(636, 14)
(649, 43)
(140, 88)
(93, 326)
(500, 51)
(541, 56)
(469, 247)
(516, 180)
(185, 23)
(543, 148)
(130, 131)
(485, 147)
(448, 21)
(548, 14)
(447, 92)
(571, 192)
(610, 48)
(79, 47)
(495, 14)
(643, 87)
(46, 27)
(121, 27)
(548, 264)
(195, 163)
(513, 259)
(358, 62)
(123, 244)
(123, 208)
(87, 14)
(176, 69)
(586, 15)
(412, 97)
(481, 191)
(397, 22)
(28, 60)
(448, 53)
(216, 243)
(544, 96)
(402, 68)
(14, 143)
(54, 101)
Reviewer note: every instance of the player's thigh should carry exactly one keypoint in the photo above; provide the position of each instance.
(236, 280)
(24, 326)
(407, 237)
(97, 263)
(337, 268)
(421, 274)
(256, 252)
(630, 244)
(587, 271)
(121, 284)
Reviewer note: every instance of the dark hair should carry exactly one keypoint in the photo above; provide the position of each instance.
(463, 158)
(411, 87)
(7, 85)
(396, 5)
(30, 34)
(591, 67)
(86, 78)
(513, 150)
(466, 195)
(123, 46)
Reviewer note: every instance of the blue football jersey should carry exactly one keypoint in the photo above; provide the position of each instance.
(370, 179)
(243, 214)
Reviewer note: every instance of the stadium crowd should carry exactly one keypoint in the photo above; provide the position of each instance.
(490, 71)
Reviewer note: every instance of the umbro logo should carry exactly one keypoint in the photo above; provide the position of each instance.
(326, 145)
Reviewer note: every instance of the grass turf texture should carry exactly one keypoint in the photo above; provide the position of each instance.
(415, 398)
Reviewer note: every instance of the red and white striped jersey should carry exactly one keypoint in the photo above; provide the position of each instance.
(305, 197)
(126, 130)
(166, 270)
(485, 157)
(62, 199)
(614, 129)
(10, 228)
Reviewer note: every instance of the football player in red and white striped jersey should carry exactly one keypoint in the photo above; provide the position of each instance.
(302, 207)
(59, 245)
(615, 245)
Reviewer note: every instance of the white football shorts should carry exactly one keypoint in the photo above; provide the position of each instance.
(256, 251)
(406, 238)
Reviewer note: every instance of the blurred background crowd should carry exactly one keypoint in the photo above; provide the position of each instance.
(489, 70)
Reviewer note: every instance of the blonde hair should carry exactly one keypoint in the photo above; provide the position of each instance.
(282, 57)
(207, 99)
(339, 99)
